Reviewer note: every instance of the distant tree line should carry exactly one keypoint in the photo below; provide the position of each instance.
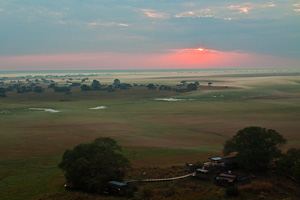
(96, 85)
(181, 88)
(19, 88)
(32, 85)
(62, 89)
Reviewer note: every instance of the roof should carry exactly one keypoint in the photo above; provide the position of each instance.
(230, 160)
(225, 178)
(227, 175)
(117, 183)
(215, 158)
(202, 170)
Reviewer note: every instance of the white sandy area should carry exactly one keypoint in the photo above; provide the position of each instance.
(99, 108)
(45, 109)
(4, 112)
(169, 99)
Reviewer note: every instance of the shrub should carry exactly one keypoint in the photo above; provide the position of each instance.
(257, 186)
(62, 89)
(232, 192)
(146, 193)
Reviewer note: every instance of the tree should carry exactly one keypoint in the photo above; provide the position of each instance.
(23, 89)
(209, 83)
(96, 85)
(256, 147)
(85, 87)
(90, 166)
(165, 87)
(125, 86)
(75, 84)
(183, 82)
(110, 88)
(290, 163)
(191, 86)
(117, 82)
(38, 89)
(62, 89)
(52, 85)
(85, 79)
(151, 86)
(2, 92)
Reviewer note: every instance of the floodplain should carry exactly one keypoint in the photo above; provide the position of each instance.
(156, 128)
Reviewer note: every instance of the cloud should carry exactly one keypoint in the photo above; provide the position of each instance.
(196, 13)
(245, 8)
(240, 9)
(296, 4)
(224, 11)
(155, 14)
(99, 23)
(298, 7)
(270, 5)
(269, 26)
(61, 22)
(121, 24)
(197, 51)
(56, 14)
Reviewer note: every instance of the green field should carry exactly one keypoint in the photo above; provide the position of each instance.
(152, 132)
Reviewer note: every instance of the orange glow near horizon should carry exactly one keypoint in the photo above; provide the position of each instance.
(172, 59)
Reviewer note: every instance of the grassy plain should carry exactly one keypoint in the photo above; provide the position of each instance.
(153, 133)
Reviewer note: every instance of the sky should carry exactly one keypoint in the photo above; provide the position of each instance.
(140, 34)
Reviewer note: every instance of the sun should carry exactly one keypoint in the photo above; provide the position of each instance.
(200, 49)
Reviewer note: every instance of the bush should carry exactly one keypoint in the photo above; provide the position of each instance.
(290, 163)
(146, 193)
(232, 192)
(38, 89)
(62, 89)
(257, 186)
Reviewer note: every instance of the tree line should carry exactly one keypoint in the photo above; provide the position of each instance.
(33, 86)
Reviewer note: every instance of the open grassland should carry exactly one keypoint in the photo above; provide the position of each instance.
(153, 133)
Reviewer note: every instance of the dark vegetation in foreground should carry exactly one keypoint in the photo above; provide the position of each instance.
(99, 167)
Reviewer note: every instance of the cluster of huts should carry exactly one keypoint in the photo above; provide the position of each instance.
(222, 169)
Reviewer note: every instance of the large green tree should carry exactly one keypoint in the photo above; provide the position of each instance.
(90, 166)
(255, 147)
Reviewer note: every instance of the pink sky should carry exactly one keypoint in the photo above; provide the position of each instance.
(173, 59)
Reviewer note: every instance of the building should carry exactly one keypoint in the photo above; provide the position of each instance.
(117, 188)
